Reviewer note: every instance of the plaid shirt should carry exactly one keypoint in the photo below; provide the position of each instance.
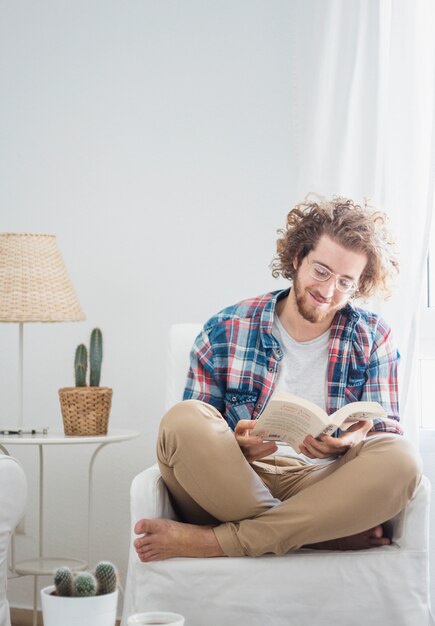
(235, 361)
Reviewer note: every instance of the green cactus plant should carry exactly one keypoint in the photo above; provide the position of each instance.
(95, 360)
(63, 581)
(81, 365)
(95, 357)
(107, 577)
(85, 585)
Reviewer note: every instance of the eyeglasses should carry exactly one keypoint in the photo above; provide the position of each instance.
(322, 274)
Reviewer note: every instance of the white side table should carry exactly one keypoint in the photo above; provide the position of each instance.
(43, 565)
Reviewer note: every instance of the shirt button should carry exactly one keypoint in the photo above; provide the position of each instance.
(233, 398)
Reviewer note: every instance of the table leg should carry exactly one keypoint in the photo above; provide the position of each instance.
(35, 601)
(90, 496)
(41, 502)
(41, 532)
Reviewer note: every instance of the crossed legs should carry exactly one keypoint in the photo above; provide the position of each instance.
(234, 508)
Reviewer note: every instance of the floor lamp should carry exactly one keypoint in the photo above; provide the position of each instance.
(34, 287)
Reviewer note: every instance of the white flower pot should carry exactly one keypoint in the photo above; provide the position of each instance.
(67, 611)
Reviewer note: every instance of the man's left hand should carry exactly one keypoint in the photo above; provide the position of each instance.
(326, 446)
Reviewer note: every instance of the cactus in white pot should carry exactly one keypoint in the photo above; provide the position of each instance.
(107, 577)
(85, 598)
(63, 581)
(104, 579)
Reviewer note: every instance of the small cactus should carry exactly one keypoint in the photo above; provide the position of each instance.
(63, 581)
(84, 585)
(107, 577)
(95, 357)
(81, 365)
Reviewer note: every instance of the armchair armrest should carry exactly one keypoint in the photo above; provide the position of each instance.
(410, 528)
(149, 496)
(13, 496)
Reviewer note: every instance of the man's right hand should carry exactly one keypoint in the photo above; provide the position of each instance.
(253, 447)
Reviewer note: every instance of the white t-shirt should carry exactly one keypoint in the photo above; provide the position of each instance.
(303, 371)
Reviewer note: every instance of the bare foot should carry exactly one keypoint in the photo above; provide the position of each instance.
(163, 539)
(362, 541)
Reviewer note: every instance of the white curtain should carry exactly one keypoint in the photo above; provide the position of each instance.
(363, 117)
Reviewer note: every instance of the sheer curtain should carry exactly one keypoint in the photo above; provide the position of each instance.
(363, 115)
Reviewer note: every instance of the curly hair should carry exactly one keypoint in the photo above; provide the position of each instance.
(358, 228)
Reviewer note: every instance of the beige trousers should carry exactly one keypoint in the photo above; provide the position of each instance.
(278, 504)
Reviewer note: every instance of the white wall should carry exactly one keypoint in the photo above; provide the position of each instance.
(156, 139)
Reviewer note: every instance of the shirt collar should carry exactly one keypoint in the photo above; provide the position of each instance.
(267, 315)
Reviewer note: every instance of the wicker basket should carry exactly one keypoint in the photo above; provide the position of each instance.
(85, 410)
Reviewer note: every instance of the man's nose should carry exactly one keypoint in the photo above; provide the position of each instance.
(327, 288)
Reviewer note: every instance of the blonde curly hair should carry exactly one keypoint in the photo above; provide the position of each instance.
(358, 228)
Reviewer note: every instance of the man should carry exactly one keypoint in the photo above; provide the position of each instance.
(237, 494)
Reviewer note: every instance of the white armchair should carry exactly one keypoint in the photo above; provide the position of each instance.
(381, 587)
(13, 494)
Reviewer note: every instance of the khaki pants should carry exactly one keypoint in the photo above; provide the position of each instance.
(278, 504)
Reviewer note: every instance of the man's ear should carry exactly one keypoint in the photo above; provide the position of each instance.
(296, 262)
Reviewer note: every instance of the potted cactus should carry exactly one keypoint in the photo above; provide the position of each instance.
(83, 598)
(86, 408)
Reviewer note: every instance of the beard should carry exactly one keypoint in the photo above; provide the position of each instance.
(308, 311)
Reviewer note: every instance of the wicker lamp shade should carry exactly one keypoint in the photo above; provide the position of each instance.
(34, 284)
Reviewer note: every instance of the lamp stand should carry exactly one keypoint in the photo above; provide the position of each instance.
(20, 376)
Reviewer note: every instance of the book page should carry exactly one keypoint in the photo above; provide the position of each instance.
(355, 412)
(289, 422)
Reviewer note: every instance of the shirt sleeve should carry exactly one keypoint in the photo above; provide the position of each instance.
(201, 383)
(382, 382)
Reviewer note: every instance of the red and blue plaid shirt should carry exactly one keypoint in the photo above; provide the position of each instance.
(235, 360)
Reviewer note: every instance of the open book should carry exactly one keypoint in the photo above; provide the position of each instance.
(290, 418)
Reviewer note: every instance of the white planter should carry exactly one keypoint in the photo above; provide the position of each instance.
(92, 611)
